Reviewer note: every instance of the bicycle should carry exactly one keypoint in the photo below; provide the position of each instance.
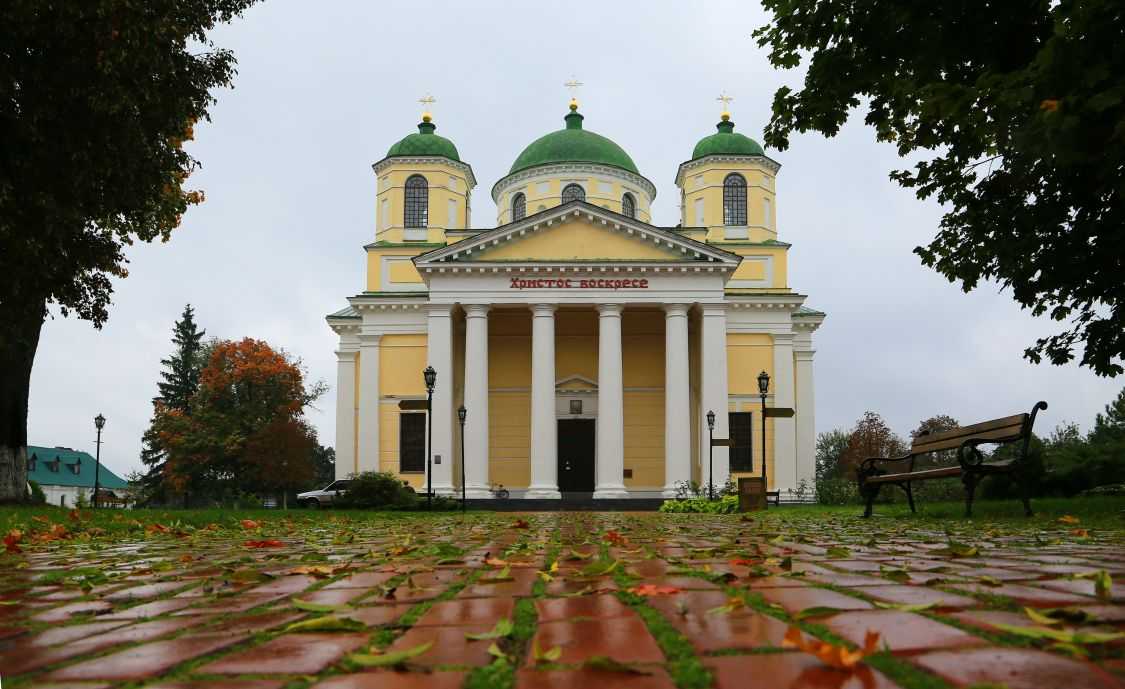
(499, 492)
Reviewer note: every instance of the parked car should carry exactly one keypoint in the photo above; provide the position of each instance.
(314, 499)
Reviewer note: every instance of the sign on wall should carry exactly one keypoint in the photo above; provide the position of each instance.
(578, 283)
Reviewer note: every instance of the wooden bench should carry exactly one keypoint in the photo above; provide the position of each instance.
(971, 466)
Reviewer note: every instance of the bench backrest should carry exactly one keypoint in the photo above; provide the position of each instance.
(1002, 430)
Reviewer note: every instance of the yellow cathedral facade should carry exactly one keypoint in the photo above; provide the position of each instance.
(586, 344)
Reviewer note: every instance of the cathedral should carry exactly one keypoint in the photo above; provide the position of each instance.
(577, 348)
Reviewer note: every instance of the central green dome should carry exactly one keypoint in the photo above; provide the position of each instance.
(726, 142)
(573, 145)
(425, 143)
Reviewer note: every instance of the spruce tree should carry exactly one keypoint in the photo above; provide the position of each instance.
(180, 380)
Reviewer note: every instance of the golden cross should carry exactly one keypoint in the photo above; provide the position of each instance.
(426, 101)
(725, 100)
(573, 85)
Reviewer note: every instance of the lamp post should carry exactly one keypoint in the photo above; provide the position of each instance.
(461, 413)
(430, 376)
(763, 388)
(99, 423)
(711, 455)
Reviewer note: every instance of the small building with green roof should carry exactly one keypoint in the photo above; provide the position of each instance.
(65, 474)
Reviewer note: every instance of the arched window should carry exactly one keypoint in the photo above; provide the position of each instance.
(417, 211)
(519, 207)
(573, 192)
(628, 206)
(734, 200)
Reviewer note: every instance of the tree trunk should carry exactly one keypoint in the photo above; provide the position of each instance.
(19, 338)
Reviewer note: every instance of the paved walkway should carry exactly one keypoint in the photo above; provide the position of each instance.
(565, 600)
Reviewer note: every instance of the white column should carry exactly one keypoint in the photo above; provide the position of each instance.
(476, 401)
(784, 430)
(806, 423)
(367, 452)
(713, 393)
(544, 426)
(677, 402)
(611, 406)
(439, 354)
(345, 411)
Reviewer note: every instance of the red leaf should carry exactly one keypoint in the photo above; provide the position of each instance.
(271, 543)
(654, 590)
(11, 540)
(521, 524)
(249, 524)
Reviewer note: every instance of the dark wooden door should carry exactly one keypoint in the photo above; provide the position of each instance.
(576, 455)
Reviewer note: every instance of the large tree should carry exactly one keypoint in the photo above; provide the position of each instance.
(1016, 116)
(178, 384)
(96, 100)
(871, 437)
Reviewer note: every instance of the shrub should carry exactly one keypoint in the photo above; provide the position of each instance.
(377, 490)
(37, 496)
(838, 491)
(728, 504)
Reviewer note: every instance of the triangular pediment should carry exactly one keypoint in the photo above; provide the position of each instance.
(576, 383)
(578, 233)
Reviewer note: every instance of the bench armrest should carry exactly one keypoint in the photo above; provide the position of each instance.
(868, 465)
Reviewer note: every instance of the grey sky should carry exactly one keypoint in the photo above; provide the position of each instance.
(325, 88)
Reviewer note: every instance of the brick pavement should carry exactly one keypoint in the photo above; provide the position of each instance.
(567, 600)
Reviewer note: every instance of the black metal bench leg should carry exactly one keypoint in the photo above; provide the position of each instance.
(870, 492)
(1021, 480)
(970, 481)
(910, 497)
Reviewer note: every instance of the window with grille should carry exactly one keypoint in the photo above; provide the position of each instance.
(519, 207)
(573, 192)
(411, 443)
(742, 450)
(417, 211)
(628, 206)
(734, 200)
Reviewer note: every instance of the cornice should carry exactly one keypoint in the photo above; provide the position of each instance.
(563, 168)
(422, 160)
(769, 163)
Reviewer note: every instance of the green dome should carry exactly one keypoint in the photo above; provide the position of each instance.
(726, 142)
(573, 145)
(425, 143)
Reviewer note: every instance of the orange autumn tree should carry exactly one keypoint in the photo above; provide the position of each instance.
(247, 427)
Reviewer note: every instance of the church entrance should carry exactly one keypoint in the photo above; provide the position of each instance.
(576, 455)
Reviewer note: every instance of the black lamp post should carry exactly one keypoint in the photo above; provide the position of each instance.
(763, 388)
(99, 423)
(711, 455)
(461, 413)
(430, 376)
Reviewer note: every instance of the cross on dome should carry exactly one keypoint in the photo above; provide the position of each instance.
(573, 85)
(426, 101)
(725, 100)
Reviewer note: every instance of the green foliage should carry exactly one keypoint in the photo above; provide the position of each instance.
(830, 447)
(727, 504)
(324, 465)
(837, 491)
(1016, 120)
(99, 98)
(38, 497)
(377, 490)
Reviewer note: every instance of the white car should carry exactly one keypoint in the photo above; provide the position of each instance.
(314, 499)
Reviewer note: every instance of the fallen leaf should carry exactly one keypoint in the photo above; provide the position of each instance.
(831, 654)
(1049, 104)
(317, 607)
(1066, 637)
(549, 656)
(521, 524)
(327, 624)
(271, 543)
(905, 607)
(733, 603)
(502, 629)
(11, 541)
(653, 590)
(815, 611)
(390, 659)
(607, 664)
(249, 524)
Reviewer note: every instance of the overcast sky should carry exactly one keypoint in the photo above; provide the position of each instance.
(323, 89)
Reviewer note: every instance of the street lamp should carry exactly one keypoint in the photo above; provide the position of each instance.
(711, 455)
(430, 376)
(99, 423)
(461, 413)
(763, 388)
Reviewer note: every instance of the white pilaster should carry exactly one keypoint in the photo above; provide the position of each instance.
(805, 419)
(611, 406)
(544, 427)
(785, 435)
(713, 393)
(476, 401)
(677, 404)
(439, 354)
(367, 452)
(345, 411)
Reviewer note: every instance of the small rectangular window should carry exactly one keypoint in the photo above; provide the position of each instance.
(742, 450)
(576, 406)
(699, 220)
(411, 443)
(766, 212)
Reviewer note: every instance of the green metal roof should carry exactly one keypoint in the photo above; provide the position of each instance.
(726, 142)
(806, 311)
(573, 145)
(346, 312)
(425, 143)
(54, 466)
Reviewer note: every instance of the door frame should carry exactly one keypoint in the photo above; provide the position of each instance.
(559, 459)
